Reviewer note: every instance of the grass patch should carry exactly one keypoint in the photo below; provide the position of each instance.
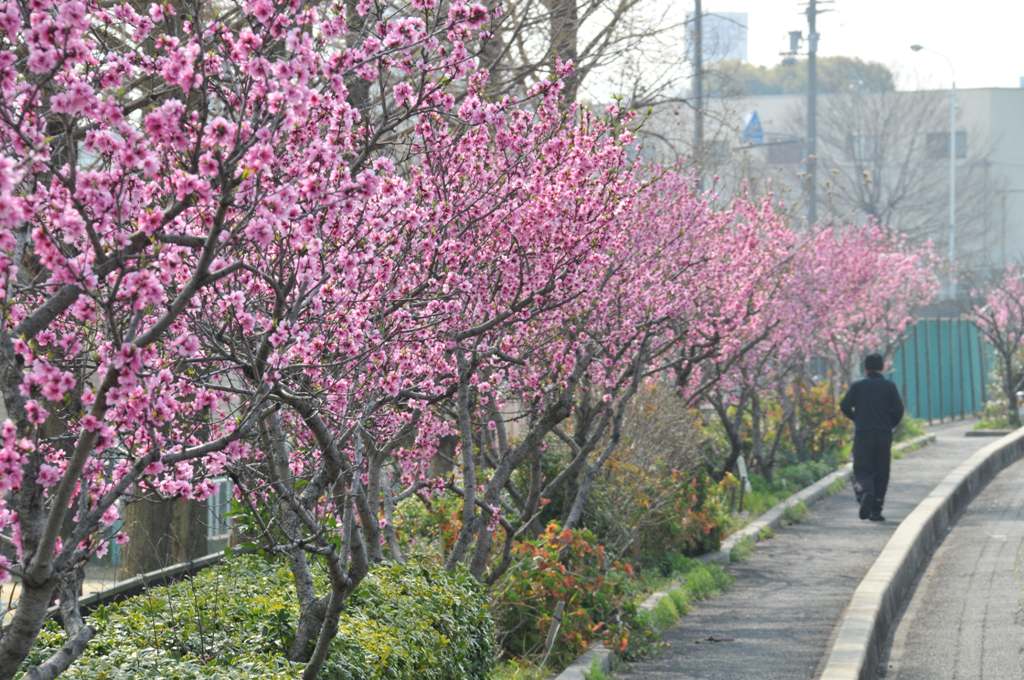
(742, 550)
(519, 669)
(909, 428)
(836, 486)
(766, 534)
(596, 673)
(673, 567)
(993, 424)
(796, 513)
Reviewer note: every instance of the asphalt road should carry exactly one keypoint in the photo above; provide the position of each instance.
(777, 621)
(965, 620)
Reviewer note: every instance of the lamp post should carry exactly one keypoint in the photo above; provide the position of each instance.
(952, 166)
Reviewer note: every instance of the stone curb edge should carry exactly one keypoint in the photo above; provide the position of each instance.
(605, 658)
(987, 433)
(774, 517)
(866, 623)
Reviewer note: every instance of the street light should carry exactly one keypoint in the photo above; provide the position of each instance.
(952, 165)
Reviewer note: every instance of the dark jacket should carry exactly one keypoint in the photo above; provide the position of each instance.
(873, 403)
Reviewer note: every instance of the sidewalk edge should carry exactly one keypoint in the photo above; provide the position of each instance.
(771, 518)
(887, 587)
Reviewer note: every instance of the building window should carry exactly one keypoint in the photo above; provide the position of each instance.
(218, 505)
(785, 153)
(937, 144)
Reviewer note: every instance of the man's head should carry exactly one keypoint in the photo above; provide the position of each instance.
(874, 363)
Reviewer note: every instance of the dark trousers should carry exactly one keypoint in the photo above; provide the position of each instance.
(872, 458)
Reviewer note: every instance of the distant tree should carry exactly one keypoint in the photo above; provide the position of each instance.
(618, 42)
(835, 74)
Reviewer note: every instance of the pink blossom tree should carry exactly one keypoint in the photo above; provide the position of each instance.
(841, 294)
(877, 282)
(1000, 318)
(144, 159)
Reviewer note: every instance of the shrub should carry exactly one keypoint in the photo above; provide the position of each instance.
(652, 494)
(664, 614)
(820, 415)
(571, 567)
(680, 599)
(706, 581)
(235, 620)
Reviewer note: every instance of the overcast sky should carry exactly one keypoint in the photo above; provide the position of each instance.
(984, 39)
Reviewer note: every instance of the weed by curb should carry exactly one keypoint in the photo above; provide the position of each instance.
(596, 672)
(836, 486)
(796, 513)
(742, 550)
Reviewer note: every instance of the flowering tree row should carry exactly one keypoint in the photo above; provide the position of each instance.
(295, 243)
(846, 292)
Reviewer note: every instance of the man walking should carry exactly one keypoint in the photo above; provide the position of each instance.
(874, 405)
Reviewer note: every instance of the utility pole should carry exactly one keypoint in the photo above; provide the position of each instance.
(812, 113)
(698, 91)
(952, 189)
(952, 167)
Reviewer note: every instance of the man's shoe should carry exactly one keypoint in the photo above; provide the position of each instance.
(867, 504)
(876, 517)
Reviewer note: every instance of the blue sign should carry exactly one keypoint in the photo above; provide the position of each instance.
(753, 133)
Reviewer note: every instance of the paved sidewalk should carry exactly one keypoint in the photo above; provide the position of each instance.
(965, 621)
(776, 623)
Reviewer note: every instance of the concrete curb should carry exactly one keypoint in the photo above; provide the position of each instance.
(772, 518)
(883, 593)
(582, 666)
(987, 433)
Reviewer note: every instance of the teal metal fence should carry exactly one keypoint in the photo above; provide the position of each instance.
(942, 369)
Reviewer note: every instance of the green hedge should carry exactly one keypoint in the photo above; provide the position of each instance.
(235, 621)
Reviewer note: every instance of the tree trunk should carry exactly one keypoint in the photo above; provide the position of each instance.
(564, 17)
(1010, 388)
(732, 433)
(21, 633)
(756, 433)
(189, 530)
(148, 523)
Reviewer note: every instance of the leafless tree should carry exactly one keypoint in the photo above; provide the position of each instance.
(619, 47)
(883, 156)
